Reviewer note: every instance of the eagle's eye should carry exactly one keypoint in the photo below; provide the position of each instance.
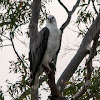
(52, 17)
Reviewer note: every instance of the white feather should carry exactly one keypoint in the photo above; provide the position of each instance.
(53, 41)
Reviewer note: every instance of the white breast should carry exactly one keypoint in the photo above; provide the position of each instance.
(53, 43)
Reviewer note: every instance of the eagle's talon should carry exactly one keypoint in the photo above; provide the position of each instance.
(52, 66)
(49, 70)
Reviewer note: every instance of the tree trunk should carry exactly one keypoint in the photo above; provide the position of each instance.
(33, 29)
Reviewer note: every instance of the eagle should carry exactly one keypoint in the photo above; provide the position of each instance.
(44, 49)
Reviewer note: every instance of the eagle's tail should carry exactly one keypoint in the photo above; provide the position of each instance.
(34, 83)
(33, 77)
(35, 72)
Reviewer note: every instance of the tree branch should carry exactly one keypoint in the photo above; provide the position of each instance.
(89, 67)
(6, 45)
(75, 6)
(81, 53)
(66, 9)
(94, 7)
(5, 36)
(15, 49)
(55, 94)
(69, 14)
(17, 53)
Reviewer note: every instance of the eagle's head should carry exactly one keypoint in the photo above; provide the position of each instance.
(51, 19)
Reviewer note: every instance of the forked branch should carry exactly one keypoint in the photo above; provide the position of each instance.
(64, 25)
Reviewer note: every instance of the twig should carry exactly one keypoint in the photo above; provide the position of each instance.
(17, 53)
(94, 7)
(6, 45)
(5, 36)
(24, 94)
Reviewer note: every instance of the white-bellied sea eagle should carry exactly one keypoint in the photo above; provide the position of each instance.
(44, 49)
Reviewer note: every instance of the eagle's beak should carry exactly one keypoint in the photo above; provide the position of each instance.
(49, 19)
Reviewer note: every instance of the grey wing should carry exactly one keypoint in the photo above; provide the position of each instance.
(37, 52)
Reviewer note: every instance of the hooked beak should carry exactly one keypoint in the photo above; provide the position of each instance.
(49, 19)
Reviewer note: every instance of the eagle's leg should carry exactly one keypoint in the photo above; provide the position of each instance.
(52, 66)
(47, 68)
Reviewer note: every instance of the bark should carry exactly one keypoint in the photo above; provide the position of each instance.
(64, 25)
(33, 26)
(89, 67)
(55, 94)
(81, 53)
(33, 29)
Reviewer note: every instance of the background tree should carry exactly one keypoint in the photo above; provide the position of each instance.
(15, 14)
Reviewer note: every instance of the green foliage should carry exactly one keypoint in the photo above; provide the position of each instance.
(86, 15)
(19, 66)
(21, 86)
(14, 14)
(76, 82)
(1, 94)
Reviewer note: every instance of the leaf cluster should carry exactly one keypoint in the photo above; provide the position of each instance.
(1, 94)
(87, 12)
(74, 85)
(19, 87)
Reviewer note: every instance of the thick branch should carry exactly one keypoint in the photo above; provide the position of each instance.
(69, 14)
(81, 53)
(33, 29)
(89, 67)
(55, 94)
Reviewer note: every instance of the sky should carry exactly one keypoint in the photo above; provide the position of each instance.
(69, 41)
